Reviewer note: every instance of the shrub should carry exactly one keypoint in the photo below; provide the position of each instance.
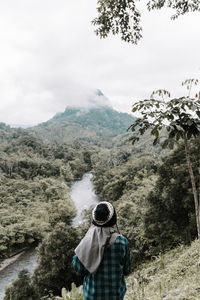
(22, 288)
(55, 255)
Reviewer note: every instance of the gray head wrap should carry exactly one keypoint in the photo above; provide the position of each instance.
(90, 250)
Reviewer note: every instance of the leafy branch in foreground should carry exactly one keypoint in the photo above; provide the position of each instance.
(122, 17)
(181, 7)
(179, 117)
(118, 17)
(75, 294)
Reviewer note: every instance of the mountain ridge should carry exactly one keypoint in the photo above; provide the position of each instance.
(96, 124)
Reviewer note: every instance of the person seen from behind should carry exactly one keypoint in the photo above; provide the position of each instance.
(103, 257)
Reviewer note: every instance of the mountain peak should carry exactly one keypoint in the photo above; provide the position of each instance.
(94, 98)
(92, 119)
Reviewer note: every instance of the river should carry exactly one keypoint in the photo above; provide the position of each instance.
(83, 195)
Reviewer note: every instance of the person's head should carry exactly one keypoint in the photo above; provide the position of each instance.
(104, 215)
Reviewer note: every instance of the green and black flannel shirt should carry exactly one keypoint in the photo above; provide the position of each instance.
(108, 282)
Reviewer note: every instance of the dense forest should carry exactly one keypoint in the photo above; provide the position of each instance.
(149, 187)
(35, 179)
(153, 197)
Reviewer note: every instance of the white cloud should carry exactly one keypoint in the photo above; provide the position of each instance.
(50, 58)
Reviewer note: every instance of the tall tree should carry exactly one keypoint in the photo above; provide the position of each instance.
(22, 288)
(180, 120)
(122, 17)
(169, 218)
(54, 269)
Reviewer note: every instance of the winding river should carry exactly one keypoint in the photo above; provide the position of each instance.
(83, 195)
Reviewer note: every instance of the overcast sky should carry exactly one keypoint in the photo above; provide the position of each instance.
(50, 58)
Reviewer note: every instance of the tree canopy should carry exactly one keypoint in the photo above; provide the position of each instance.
(123, 17)
(179, 119)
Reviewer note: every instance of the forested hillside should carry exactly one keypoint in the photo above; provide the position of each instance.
(35, 179)
(152, 194)
(97, 125)
(150, 188)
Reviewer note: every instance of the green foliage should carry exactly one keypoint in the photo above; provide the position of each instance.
(154, 200)
(180, 7)
(123, 18)
(118, 18)
(153, 214)
(170, 276)
(167, 276)
(30, 209)
(89, 126)
(54, 269)
(66, 172)
(21, 289)
(179, 116)
(126, 179)
(35, 179)
(119, 173)
(74, 294)
(170, 217)
(98, 119)
(46, 160)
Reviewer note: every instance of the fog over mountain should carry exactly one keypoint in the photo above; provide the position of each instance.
(93, 120)
(45, 109)
(91, 99)
(45, 68)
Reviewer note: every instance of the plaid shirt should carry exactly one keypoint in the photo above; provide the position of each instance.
(108, 282)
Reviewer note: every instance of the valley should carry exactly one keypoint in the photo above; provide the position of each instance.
(149, 187)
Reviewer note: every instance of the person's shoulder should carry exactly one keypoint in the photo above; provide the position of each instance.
(121, 240)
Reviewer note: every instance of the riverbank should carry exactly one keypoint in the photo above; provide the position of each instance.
(10, 267)
(13, 257)
(8, 261)
(83, 195)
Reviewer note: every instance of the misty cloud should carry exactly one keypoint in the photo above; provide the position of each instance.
(50, 59)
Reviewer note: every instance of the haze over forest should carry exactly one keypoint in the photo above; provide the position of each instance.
(70, 108)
